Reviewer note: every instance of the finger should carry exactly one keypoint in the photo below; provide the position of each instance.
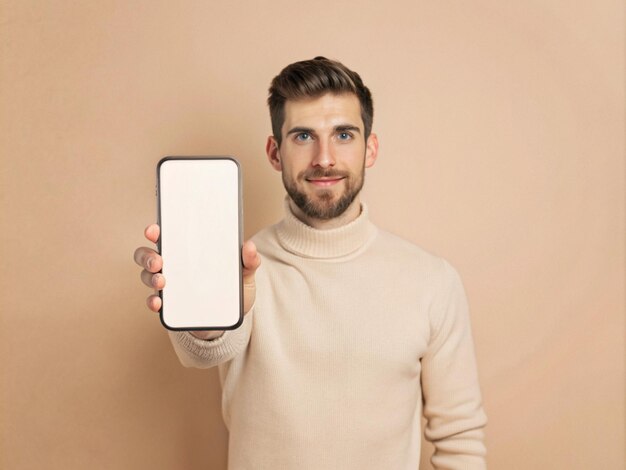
(154, 303)
(148, 259)
(156, 281)
(251, 261)
(152, 232)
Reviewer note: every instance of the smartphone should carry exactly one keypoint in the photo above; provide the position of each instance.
(199, 209)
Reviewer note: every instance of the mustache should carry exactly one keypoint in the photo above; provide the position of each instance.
(316, 173)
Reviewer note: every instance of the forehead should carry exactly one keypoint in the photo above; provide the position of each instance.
(325, 111)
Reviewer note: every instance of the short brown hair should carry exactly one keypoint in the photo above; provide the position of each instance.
(313, 78)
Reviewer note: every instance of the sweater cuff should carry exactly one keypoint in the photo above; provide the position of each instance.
(196, 352)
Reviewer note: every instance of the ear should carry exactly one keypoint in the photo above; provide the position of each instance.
(371, 150)
(273, 153)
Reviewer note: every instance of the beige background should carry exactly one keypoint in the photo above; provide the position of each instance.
(502, 148)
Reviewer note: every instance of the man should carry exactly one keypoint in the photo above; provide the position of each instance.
(350, 333)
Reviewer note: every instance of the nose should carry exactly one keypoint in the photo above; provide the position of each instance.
(324, 155)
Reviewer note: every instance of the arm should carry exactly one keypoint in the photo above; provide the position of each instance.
(201, 349)
(452, 398)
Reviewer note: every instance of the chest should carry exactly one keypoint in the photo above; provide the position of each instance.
(344, 320)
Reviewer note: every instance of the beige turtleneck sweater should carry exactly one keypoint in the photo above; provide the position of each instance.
(354, 334)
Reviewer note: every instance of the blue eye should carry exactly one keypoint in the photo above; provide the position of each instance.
(303, 136)
(344, 136)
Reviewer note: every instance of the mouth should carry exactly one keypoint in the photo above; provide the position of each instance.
(326, 181)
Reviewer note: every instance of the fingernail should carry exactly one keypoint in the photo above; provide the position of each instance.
(149, 263)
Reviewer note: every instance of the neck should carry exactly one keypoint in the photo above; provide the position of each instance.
(350, 214)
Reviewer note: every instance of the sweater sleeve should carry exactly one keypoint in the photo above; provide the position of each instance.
(452, 399)
(202, 354)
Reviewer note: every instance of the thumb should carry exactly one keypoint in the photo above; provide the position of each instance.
(251, 261)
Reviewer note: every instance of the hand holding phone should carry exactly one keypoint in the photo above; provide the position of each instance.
(199, 202)
(151, 262)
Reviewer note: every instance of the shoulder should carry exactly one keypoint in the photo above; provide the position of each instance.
(403, 250)
(431, 271)
(432, 276)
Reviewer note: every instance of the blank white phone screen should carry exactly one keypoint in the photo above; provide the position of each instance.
(199, 203)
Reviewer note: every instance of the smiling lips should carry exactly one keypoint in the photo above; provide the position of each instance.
(324, 182)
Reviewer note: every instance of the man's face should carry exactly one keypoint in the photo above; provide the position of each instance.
(323, 154)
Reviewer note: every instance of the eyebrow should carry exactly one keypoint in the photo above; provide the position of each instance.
(337, 128)
(347, 127)
(298, 130)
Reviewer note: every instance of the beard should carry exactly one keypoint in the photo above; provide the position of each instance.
(323, 205)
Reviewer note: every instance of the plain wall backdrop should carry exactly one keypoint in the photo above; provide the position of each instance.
(502, 149)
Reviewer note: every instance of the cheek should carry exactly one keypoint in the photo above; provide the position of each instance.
(290, 171)
(298, 160)
(352, 157)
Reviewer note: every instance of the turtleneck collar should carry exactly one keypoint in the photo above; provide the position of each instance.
(303, 240)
